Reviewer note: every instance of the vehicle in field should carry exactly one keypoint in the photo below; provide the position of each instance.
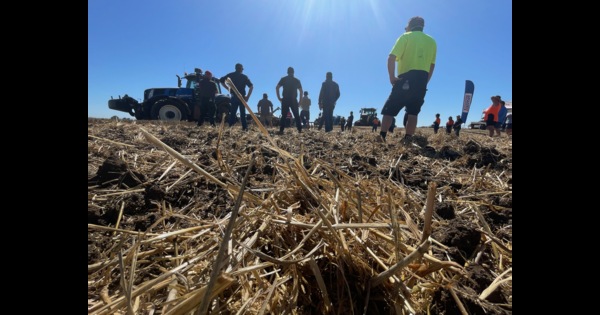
(171, 104)
(366, 116)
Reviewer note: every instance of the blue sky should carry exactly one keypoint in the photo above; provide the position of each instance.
(138, 44)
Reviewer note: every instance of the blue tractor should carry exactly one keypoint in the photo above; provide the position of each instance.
(171, 104)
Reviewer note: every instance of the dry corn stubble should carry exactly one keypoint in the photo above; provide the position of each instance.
(314, 227)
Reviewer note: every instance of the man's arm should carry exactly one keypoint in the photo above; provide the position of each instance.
(320, 101)
(301, 94)
(391, 67)
(222, 81)
(277, 91)
(430, 71)
(250, 88)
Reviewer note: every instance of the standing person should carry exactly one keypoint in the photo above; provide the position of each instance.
(449, 125)
(491, 115)
(349, 121)
(343, 123)
(208, 90)
(509, 124)
(265, 108)
(240, 81)
(436, 123)
(328, 96)
(415, 53)
(375, 124)
(305, 110)
(291, 85)
(457, 124)
(501, 117)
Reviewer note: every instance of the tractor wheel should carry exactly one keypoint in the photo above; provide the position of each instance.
(222, 109)
(169, 110)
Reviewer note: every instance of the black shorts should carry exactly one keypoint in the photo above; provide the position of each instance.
(490, 121)
(411, 98)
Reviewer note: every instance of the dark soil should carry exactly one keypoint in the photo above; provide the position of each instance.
(445, 160)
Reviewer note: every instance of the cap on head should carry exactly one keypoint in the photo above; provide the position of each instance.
(290, 70)
(238, 66)
(208, 74)
(414, 22)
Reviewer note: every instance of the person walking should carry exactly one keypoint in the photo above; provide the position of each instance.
(291, 86)
(457, 125)
(491, 115)
(349, 121)
(436, 123)
(265, 108)
(449, 125)
(415, 54)
(240, 81)
(208, 90)
(328, 96)
(305, 110)
(343, 123)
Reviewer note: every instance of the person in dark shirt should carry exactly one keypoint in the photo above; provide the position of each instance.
(328, 96)
(457, 124)
(291, 89)
(240, 81)
(265, 108)
(349, 122)
(208, 90)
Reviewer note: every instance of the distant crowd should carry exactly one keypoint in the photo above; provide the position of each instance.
(409, 74)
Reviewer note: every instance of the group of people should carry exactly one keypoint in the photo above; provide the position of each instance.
(288, 89)
(496, 116)
(451, 124)
(410, 65)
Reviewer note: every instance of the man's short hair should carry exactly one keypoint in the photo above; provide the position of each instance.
(416, 23)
